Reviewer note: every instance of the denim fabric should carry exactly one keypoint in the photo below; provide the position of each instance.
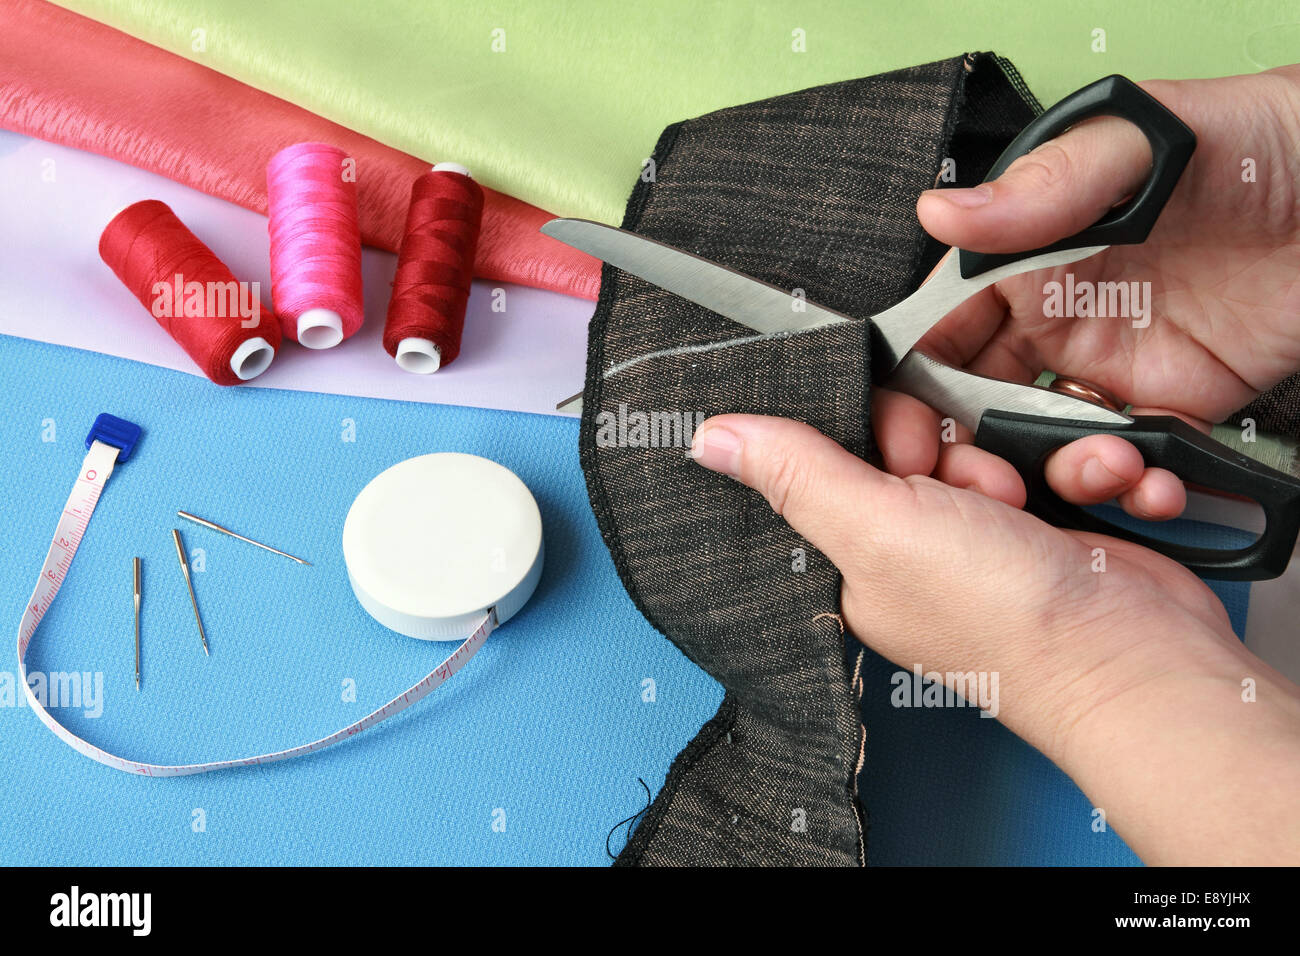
(1277, 410)
(816, 191)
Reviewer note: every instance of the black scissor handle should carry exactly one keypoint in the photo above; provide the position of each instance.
(1171, 142)
(1165, 442)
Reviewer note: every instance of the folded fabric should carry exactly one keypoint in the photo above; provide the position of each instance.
(769, 189)
(73, 81)
(558, 104)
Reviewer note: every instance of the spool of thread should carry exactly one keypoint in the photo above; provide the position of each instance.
(426, 314)
(191, 292)
(315, 245)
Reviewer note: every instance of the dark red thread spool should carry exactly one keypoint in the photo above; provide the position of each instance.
(219, 322)
(426, 314)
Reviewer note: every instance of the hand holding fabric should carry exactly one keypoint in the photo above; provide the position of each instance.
(1129, 678)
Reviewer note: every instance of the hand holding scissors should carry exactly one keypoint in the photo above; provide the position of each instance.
(1022, 424)
(1131, 680)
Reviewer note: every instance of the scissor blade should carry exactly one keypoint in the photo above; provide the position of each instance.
(768, 309)
(734, 295)
(966, 396)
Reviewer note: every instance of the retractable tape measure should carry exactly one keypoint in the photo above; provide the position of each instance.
(407, 568)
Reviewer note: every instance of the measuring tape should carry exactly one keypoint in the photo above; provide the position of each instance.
(111, 441)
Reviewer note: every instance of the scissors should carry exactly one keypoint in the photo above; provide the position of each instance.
(1023, 424)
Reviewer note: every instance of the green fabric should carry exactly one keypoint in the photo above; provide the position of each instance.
(583, 87)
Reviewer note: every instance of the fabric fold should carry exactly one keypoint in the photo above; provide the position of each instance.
(813, 190)
(70, 80)
(558, 103)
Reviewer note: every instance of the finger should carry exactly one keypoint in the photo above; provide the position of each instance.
(965, 466)
(1158, 496)
(960, 335)
(823, 491)
(1094, 469)
(1051, 192)
(906, 432)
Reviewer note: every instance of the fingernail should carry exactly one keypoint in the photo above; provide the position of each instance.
(967, 198)
(717, 449)
(1098, 477)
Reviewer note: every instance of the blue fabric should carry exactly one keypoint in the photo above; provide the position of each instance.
(547, 723)
(547, 728)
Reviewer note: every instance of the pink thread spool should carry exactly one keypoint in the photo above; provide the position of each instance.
(315, 245)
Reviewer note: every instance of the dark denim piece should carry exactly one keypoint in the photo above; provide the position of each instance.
(814, 190)
(1277, 410)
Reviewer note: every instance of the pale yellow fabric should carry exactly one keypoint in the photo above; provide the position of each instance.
(557, 102)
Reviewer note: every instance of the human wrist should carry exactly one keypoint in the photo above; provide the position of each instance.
(1112, 662)
(1191, 763)
(1279, 96)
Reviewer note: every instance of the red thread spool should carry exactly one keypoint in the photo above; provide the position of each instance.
(218, 321)
(426, 314)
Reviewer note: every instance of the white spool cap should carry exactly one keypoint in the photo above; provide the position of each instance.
(452, 168)
(433, 542)
(252, 358)
(320, 329)
(418, 355)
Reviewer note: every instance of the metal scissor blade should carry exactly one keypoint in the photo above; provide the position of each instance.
(734, 295)
(967, 396)
(767, 309)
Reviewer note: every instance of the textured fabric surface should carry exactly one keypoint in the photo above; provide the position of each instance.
(557, 102)
(70, 80)
(1277, 410)
(814, 190)
(547, 724)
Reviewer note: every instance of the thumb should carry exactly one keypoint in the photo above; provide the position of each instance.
(806, 477)
(1051, 192)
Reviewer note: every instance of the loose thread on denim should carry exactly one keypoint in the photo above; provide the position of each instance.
(630, 822)
(834, 617)
(707, 347)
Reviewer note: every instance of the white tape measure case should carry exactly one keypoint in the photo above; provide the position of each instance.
(433, 543)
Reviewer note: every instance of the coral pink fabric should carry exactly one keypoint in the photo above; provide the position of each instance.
(67, 79)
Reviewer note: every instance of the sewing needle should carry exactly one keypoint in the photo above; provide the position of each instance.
(216, 527)
(135, 567)
(185, 568)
